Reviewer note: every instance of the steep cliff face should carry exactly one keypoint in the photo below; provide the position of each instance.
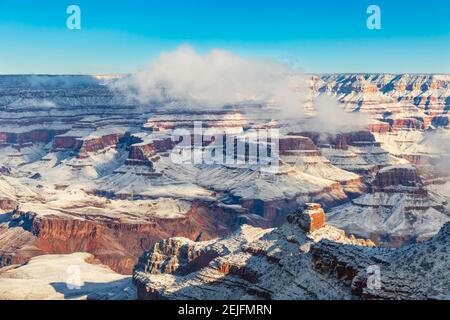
(417, 271)
(115, 243)
(398, 95)
(343, 140)
(84, 142)
(66, 142)
(24, 138)
(94, 173)
(292, 143)
(251, 264)
(404, 175)
(287, 263)
(379, 127)
(302, 153)
(94, 144)
(291, 263)
(398, 209)
(147, 147)
(311, 219)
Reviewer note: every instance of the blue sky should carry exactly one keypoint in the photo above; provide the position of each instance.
(319, 36)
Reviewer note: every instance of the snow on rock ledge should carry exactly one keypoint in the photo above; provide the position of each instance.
(71, 276)
(253, 263)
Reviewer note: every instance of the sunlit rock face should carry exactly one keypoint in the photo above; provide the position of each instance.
(395, 176)
(84, 168)
(291, 263)
(416, 271)
(398, 209)
(310, 219)
(412, 97)
(252, 263)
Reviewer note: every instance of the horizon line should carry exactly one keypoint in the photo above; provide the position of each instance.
(306, 73)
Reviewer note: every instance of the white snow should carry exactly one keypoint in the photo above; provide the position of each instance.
(71, 276)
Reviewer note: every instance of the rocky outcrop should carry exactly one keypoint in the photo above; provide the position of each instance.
(379, 127)
(310, 218)
(7, 204)
(86, 144)
(30, 137)
(399, 209)
(285, 263)
(418, 271)
(406, 123)
(296, 143)
(404, 175)
(343, 140)
(89, 171)
(99, 143)
(390, 96)
(251, 264)
(67, 142)
(143, 151)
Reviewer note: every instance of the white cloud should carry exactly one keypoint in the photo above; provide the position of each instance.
(213, 80)
(438, 141)
(330, 117)
(219, 78)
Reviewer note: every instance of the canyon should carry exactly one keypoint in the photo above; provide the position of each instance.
(303, 259)
(86, 170)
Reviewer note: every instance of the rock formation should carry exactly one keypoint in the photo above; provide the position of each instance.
(83, 168)
(310, 219)
(417, 271)
(251, 264)
(289, 263)
(397, 210)
(115, 241)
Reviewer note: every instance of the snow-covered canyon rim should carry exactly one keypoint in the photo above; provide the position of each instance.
(85, 169)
